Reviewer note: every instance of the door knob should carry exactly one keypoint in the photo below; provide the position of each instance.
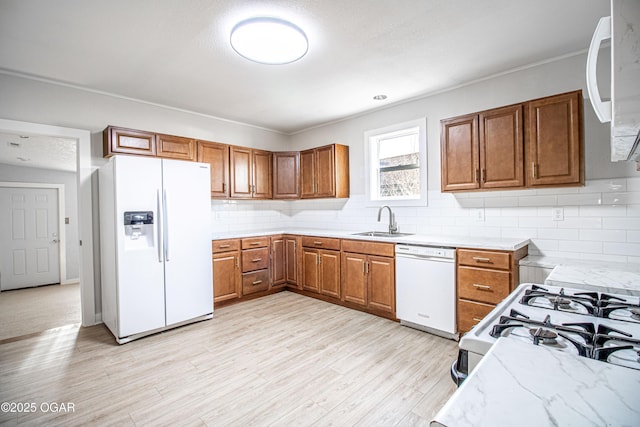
(54, 241)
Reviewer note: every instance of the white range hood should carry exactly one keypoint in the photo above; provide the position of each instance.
(623, 111)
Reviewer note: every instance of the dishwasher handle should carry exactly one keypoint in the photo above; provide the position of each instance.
(425, 258)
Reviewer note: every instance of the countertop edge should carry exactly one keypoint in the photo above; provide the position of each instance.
(489, 243)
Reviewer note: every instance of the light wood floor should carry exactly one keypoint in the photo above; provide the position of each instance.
(285, 360)
(31, 310)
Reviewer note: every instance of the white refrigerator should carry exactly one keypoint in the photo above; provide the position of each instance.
(155, 221)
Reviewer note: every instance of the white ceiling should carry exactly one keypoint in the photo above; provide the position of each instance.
(177, 53)
(38, 151)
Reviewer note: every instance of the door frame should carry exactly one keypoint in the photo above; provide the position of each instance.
(62, 239)
(84, 172)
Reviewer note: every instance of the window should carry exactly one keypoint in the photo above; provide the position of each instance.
(397, 163)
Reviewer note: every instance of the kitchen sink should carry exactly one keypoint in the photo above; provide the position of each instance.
(381, 234)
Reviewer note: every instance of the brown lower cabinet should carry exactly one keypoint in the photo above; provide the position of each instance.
(292, 261)
(484, 278)
(368, 279)
(278, 261)
(357, 274)
(321, 271)
(256, 263)
(227, 276)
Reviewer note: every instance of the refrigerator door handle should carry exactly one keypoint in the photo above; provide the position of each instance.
(159, 225)
(165, 226)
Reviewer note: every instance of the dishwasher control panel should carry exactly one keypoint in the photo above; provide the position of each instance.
(425, 251)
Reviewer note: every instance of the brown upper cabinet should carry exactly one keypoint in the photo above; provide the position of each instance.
(217, 155)
(501, 148)
(496, 149)
(324, 172)
(176, 147)
(129, 141)
(250, 173)
(286, 175)
(555, 141)
(241, 172)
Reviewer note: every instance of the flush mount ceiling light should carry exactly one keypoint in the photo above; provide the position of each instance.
(380, 97)
(268, 40)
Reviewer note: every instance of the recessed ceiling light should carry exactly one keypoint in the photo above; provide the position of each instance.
(268, 40)
(380, 97)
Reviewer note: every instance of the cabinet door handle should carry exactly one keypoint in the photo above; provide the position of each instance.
(533, 169)
(224, 246)
(317, 243)
(477, 175)
(257, 282)
(479, 286)
(254, 243)
(256, 260)
(483, 175)
(481, 259)
(237, 262)
(366, 268)
(224, 187)
(476, 319)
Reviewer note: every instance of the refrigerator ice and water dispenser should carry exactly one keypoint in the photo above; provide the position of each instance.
(138, 227)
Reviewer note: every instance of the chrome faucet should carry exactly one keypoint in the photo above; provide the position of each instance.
(393, 227)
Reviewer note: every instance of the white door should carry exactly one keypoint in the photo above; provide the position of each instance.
(29, 237)
(188, 274)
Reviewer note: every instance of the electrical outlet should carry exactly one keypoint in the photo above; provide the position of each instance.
(557, 214)
(478, 214)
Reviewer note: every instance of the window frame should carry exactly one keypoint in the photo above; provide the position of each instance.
(371, 137)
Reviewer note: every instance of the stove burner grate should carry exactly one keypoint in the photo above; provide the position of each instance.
(561, 301)
(547, 336)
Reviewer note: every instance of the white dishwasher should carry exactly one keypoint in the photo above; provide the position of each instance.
(426, 288)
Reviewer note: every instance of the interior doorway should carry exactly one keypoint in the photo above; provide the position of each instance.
(84, 209)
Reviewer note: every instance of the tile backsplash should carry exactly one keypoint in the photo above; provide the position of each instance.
(600, 221)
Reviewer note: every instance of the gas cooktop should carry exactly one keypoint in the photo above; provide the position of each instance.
(600, 326)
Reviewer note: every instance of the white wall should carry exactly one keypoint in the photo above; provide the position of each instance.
(33, 101)
(39, 102)
(607, 231)
(11, 173)
(601, 220)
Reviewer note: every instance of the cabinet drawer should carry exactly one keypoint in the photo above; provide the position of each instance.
(369, 248)
(255, 242)
(255, 281)
(483, 285)
(321, 242)
(486, 259)
(225, 245)
(471, 313)
(255, 259)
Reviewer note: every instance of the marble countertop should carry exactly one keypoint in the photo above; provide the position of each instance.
(519, 384)
(506, 244)
(620, 279)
